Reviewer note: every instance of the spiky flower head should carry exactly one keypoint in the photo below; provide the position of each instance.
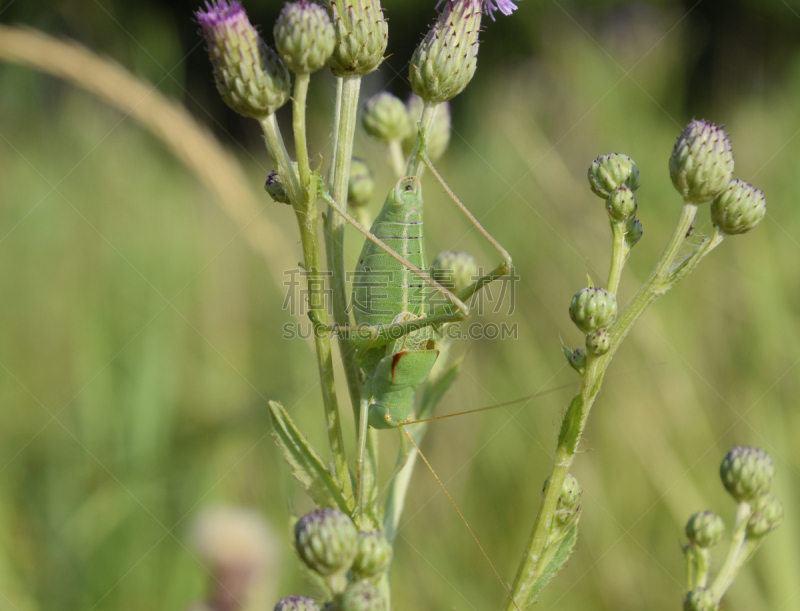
(296, 603)
(438, 136)
(276, 188)
(304, 36)
(705, 529)
(385, 118)
(373, 557)
(445, 61)
(454, 270)
(609, 172)
(326, 541)
(634, 232)
(361, 36)
(598, 342)
(621, 204)
(362, 185)
(250, 77)
(593, 308)
(700, 599)
(739, 208)
(767, 516)
(747, 473)
(362, 596)
(490, 6)
(701, 165)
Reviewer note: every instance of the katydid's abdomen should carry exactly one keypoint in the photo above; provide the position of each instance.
(385, 292)
(382, 287)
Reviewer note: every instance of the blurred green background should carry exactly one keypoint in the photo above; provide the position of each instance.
(142, 335)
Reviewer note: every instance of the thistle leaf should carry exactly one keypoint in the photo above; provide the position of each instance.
(307, 466)
(555, 556)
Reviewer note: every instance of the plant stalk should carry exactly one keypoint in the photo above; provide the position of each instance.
(426, 120)
(577, 414)
(619, 253)
(299, 125)
(304, 202)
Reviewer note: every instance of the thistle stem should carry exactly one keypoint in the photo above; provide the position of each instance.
(619, 254)
(347, 105)
(299, 125)
(577, 414)
(362, 446)
(738, 553)
(397, 159)
(425, 122)
(304, 202)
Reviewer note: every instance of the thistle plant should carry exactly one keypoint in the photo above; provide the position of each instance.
(393, 348)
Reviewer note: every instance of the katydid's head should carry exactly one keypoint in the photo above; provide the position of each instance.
(406, 197)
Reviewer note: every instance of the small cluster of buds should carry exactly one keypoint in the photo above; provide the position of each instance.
(701, 168)
(329, 544)
(592, 310)
(747, 475)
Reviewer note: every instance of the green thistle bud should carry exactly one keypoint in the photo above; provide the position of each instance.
(373, 557)
(361, 186)
(250, 77)
(296, 603)
(701, 165)
(621, 204)
(747, 473)
(385, 118)
(361, 36)
(609, 172)
(757, 526)
(705, 529)
(569, 502)
(326, 541)
(445, 61)
(739, 208)
(598, 342)
(454, 270)
(438, 137)
(304, 36)
(576, 359)
(700, 599)
(634, 232)
(362, 596)
(770, 512)
(276, 189)
(593, 308)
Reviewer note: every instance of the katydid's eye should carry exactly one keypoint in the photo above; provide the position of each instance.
(409, 188)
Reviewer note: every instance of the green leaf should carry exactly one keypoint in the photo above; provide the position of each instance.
(307, 466)
(554, 557)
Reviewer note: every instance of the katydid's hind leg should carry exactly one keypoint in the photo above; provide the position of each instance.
(507, 263)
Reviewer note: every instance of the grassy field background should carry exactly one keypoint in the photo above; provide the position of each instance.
(142, 334)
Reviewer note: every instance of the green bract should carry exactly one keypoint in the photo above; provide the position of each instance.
(767, 516)
(593, 308)
(362, 596)
(250, 77)
(385, 118)
(598, 342)
(361, 36)
(373, 556)
(454, 270)
(296, 603)
(304, 36)
(326, 541)
(609, 172)
(634, 232)
(361, 186)
(700, 599)
(747, 473)
(621, 204)
(445, 61)
(701, 165)
(739, 208)
(705, 529)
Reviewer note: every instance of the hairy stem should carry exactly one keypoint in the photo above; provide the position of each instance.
(345, 124)
(299, 124)
(425, 122)
(737, 553)
(397, 159)
(304, 202)
(619, 253)
(577, 414)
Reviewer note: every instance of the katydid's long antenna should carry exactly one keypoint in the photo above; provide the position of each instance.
(460, 515)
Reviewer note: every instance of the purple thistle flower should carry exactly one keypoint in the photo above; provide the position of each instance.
(219, 11)
(489, 6)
